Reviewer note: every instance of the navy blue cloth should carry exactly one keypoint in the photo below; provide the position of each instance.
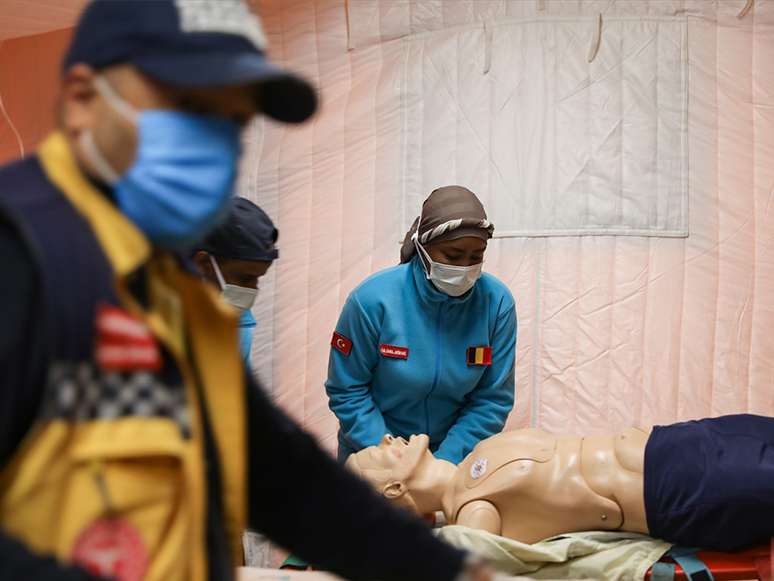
(68, 252)
(211, 43)
(245, 232)
(710, 483)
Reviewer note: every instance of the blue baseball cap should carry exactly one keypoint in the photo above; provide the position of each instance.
(245, 232)
(193, 44)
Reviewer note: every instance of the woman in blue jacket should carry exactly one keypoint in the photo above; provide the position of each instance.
(427, 347)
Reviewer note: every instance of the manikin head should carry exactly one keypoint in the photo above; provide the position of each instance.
(392, 466)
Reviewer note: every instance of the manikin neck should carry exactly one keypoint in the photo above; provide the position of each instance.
(430, 480)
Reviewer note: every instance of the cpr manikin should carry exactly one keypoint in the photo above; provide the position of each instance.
(708, 483)
(526, 485)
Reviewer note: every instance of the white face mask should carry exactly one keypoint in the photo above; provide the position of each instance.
(452, 280)
(239, 297)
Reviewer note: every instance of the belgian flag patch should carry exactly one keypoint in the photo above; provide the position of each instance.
(479, 356)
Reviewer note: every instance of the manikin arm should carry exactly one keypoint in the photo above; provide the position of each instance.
(480, 515)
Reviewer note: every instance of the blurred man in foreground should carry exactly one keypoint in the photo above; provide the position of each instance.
(132, 444)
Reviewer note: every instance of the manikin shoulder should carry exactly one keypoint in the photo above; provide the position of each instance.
(490, 457)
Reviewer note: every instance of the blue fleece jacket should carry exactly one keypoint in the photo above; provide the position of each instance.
(247, 324)
(434, 390)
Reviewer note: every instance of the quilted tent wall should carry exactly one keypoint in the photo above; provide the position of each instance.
(33, 38)
(564, 125)
(613, 331)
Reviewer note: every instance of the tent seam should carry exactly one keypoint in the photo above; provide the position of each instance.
(645, 328)
(536, 336)
(754, 199)
(654, 213)
(578, 295)
(612, 312)
(619, 200)
(275, 387)
(376, 144)
(344, 162)
(309, 254)
(717, 194)
(457, 110)
(686, 217)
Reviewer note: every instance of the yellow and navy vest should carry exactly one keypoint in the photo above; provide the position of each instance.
(112, 476)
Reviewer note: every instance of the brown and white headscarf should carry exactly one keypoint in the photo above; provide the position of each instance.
(449, 213)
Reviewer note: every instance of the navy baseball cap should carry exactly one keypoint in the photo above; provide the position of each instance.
(190, 43)
(245, 232)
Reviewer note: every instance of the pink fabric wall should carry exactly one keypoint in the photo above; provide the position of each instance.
(29, 81)
(613, 331)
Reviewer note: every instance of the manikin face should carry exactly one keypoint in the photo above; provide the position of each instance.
(396, 455)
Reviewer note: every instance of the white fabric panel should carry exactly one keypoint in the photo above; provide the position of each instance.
(555, 145)
(613, 331)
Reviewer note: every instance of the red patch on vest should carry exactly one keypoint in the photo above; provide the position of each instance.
(392, 351)
(341, 343)
(111, 548)
(124, 343)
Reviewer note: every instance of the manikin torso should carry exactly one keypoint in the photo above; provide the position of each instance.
(529, 485)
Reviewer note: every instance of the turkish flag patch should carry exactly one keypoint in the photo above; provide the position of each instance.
(124, 343)
(341, 343)
(479, 356)
(392, 351)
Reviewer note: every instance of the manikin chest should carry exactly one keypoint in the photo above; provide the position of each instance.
(535, 483)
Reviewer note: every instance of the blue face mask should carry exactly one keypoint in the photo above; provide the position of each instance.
(183, 173)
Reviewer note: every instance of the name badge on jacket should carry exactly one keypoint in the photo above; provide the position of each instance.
(393, 351)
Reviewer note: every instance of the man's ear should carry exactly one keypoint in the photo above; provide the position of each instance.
(394, 490)
(203, 263)
(78, 95)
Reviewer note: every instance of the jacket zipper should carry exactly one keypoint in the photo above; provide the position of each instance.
(437, 366)
(98, 472)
